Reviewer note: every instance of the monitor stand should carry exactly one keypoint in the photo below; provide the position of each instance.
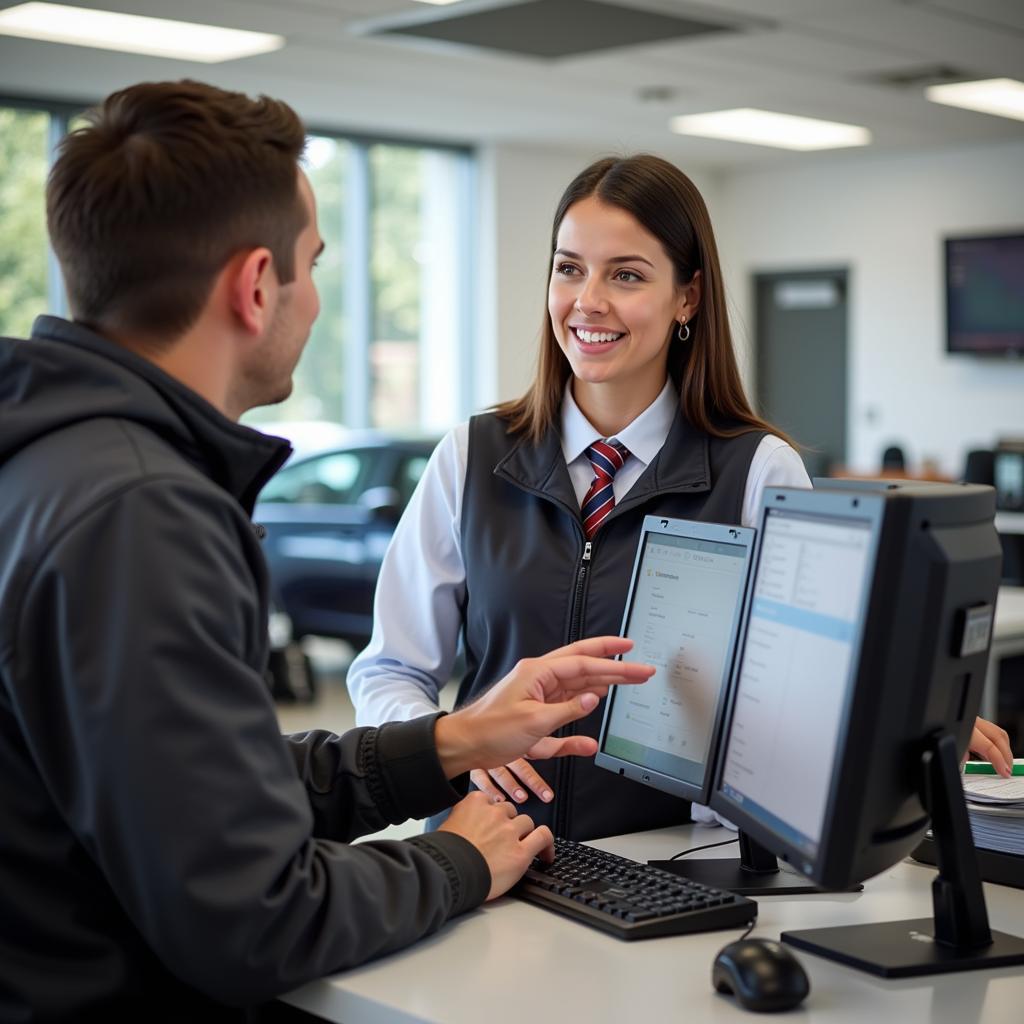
(755, 873)
(958, 938)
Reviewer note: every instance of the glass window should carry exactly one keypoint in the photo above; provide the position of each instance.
(418, 231)
(397, 190)
(318, 392)
(387, 349)
(390, 346)
(23, 246)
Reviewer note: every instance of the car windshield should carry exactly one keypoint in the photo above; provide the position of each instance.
(333, 479)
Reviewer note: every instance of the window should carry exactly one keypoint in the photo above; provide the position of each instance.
(419, 282)
(391, 346)
(24, 140)
(319, 382)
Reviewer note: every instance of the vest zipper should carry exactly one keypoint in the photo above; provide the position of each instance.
(582, 571)
(563, 767)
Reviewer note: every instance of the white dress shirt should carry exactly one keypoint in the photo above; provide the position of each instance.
(416, 619)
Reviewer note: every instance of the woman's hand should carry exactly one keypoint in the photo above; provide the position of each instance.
(990, 742)
(512, 779)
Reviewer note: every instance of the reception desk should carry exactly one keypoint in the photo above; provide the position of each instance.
(512, 963)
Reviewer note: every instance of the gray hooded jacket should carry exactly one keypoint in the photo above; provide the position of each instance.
(162, 848)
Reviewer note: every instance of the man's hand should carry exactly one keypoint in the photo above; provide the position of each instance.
(990, 742)
(517, 715)
(506, 840)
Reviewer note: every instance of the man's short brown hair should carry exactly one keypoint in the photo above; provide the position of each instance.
(147, 203)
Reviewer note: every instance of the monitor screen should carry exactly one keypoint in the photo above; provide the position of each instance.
(864, 642)
(985, 294)
(1008, 470)
(796, 670)
(682, 613)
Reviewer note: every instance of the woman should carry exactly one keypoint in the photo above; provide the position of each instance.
(522, 533)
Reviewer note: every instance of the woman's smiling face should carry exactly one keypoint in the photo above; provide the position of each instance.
(613, 299)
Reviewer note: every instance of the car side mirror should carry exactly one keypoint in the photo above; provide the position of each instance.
(383, 504)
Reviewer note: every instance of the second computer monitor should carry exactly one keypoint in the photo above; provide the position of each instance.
(682, 613)
(803, 633)
(866, 636)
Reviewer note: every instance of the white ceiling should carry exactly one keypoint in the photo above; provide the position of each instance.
(811, 57)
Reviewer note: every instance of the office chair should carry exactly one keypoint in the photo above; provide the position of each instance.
(893, 458)
(980, 467)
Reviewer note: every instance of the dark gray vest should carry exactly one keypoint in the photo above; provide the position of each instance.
(530, 589)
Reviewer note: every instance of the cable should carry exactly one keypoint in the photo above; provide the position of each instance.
(710, 846)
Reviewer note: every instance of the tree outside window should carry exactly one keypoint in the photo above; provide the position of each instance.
(23, 246)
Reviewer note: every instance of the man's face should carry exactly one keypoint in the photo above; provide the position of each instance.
(272, 362)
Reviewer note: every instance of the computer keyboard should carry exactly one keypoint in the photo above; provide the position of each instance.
(628, 899)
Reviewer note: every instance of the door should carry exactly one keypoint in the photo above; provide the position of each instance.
(801, 361)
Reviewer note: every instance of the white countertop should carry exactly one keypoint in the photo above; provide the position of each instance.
(1009, 620)
(1010, 522)
(513, 963)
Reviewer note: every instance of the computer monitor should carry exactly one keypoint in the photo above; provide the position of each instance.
(683, 612)
(683, 615)
(857, 681)
(985, 294)
(1008, 474)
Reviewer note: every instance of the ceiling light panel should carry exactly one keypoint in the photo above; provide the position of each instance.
(768, 128)
(1003, 97)
(130, 33)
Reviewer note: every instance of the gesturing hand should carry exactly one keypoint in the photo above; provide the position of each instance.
(518, 714)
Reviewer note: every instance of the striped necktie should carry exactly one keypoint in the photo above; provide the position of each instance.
(607, 459)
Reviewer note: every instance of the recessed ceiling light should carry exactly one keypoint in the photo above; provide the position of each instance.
(767, 128)
(1003, 97)
(130, 33)
(438, 3)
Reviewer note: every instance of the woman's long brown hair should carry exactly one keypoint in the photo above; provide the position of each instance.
(667, 204)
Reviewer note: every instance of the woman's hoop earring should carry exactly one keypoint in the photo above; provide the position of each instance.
(683, 333)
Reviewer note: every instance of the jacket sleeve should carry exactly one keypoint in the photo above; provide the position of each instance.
(137, 647)
(371, 778)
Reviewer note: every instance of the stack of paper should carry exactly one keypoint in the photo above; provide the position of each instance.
(995, 807)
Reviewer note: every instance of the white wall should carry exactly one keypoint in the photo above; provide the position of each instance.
(885, 218)
(519, 189)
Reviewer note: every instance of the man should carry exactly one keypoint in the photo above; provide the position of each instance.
(164, 851)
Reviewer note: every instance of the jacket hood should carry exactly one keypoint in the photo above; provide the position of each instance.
(65, 374)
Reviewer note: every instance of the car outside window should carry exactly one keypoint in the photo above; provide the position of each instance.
(409, 476)
(333, 479)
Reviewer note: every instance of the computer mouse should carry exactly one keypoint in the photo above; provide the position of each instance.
(762, 974)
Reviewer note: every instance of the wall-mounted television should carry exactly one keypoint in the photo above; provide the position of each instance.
(985, 295)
